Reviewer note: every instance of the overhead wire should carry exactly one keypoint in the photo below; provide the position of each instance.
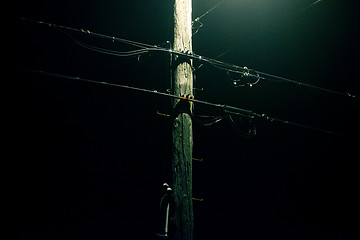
(225, 108)
(218, 56)
(216, 63)
(208, 11)
(88, 32)
(251, 130)
(345, 94)
(197, 20)
(266, 76)
(308, 6)
(240, 82)
(107, 51)
(197, 28)
(207, 121)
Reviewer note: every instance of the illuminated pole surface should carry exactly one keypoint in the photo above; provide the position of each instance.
(182, 136)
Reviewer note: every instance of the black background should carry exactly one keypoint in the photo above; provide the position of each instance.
(87, 161)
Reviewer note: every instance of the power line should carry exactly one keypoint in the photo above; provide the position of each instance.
(225, 108)
(108, 51)
(308, 6)
(88, 32)
(197, 20)
(208, 11)
(144, 48)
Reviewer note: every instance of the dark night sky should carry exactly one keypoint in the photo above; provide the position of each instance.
(87, 161)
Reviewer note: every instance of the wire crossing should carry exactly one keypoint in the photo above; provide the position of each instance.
(144, 48)
(225, 108)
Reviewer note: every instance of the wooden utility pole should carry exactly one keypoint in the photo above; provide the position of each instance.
(182, 135)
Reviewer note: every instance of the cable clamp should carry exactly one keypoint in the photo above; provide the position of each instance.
(247, 73)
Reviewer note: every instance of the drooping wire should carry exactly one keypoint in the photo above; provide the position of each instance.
(230, 67)
(247, 130)
(216, 63)
(266, 76)
(197, 28)
(241, 82)
(207, 121)
(108, 51)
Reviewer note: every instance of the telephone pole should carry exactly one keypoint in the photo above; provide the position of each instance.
(182, 135)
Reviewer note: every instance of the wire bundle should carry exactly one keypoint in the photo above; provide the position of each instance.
(229, 68)
(145, 48)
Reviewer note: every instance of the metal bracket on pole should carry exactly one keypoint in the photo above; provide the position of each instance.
(166, 196)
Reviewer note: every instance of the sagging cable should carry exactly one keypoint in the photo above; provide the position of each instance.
(231, 68)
